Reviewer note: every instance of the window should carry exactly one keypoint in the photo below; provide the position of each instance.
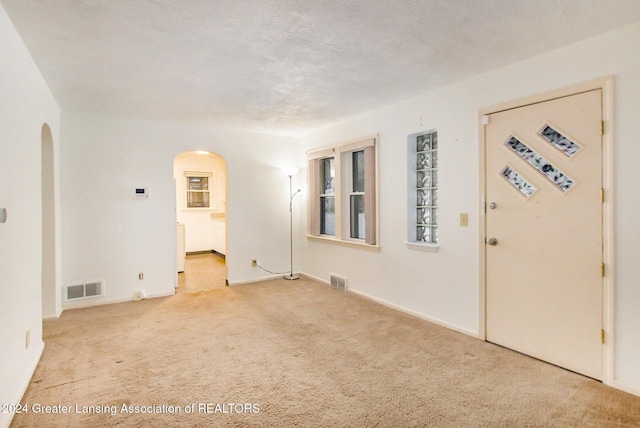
(342, 202)
(327, 197)
(198, 193)
(356, 195)
(423, 184)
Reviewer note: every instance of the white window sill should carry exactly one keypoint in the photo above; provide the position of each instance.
(352, 244)
(430, 248)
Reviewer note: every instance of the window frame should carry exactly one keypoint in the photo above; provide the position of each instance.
(343, 187)
(198, 174)
(325, 196)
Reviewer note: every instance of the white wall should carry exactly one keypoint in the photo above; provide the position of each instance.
(199, 223)
(109, 235)
(25, 105)
(444, 285)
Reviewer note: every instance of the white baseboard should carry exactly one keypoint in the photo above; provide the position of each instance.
(6, 418)
(91, 303)
(416, 314)
(261, 279)
(401, 309)
(625, 387)
(315, 278)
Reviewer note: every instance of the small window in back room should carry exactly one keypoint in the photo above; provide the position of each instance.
(198, 193)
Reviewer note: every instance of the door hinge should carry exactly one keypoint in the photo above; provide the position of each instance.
(602, 269)
(602, 336)
(602, 127)
(602, 196)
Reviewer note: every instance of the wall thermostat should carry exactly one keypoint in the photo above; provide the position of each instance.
(141, 192)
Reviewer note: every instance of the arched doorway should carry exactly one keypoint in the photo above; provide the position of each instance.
(201, 217)
(50, 294)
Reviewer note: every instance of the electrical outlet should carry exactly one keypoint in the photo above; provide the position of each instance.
(254, 263)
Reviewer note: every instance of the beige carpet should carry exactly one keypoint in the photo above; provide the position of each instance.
(297, 354)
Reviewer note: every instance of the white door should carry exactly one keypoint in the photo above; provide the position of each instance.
(543, 185)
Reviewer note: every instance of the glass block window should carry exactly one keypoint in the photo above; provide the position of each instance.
(198, 194)
(553, 174)
(559, 141)
(327, 197)
(518, 181)
(426, 188)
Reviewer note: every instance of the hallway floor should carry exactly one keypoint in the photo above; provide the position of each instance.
(202, 272)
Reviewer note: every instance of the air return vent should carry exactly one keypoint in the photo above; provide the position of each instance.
(84, 291)
(339, 282)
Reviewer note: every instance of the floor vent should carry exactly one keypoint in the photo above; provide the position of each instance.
(339, 282)
(84, 291)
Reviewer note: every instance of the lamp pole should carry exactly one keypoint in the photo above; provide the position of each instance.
(291, 276)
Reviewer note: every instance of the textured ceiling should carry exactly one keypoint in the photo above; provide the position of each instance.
(285, 66)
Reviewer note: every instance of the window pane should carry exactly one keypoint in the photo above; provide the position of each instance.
(328, 216)
(427, 234)
(426, 188)
(198, 183)
(427, 178)
(357, 216)
(424, 161)
(327, 174)
(425, 198)
(423, 234)
(423, 143)
(552, 173)
(357, 169)
(197, 199)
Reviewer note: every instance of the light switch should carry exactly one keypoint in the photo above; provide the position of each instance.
(464, 219)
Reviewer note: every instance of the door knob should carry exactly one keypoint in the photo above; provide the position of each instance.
(492, 241)
(493, 205)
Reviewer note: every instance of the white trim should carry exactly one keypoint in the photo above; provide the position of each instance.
(325, 152)
(400, 308)
(201, 210)
(347, 243)
(6, 418)
(625, 387)
(91, 303)
(416, 314)
(604, 84)
(357, 145)
(261, 279)
(198, 174)
(431, 248)
(315, 278)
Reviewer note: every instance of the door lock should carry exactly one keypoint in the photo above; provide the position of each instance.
(492, 241)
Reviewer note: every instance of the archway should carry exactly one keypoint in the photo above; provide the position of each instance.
(49, 289)
(201, 217)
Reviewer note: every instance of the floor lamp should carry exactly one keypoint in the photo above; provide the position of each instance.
(291, 172)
